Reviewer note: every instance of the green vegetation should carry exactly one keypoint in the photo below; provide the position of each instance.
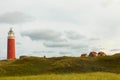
(73, 76)
(59, 65)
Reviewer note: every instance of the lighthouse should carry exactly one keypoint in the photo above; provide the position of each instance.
(11, 45)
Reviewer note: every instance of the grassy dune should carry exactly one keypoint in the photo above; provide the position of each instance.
(60, 65)
(73, 76)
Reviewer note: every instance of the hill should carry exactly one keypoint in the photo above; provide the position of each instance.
(37, 65)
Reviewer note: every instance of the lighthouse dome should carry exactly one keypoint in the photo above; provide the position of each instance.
(11, 33)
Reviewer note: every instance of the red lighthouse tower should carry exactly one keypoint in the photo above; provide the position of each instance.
(11, 45)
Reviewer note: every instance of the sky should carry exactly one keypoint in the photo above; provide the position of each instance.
(60, 27)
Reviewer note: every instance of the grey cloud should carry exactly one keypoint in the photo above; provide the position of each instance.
(56, 45)
(43, 52)
(64, 53)
(80, 46)
(73, 35)
(14, 18)
(47, 35)
(54, 39)
(113, 50)
(18, 43)
(69, 45)
(97, 49)
(94, 39)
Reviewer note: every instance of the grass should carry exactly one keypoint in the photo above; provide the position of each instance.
(59, 65)
(72, 76)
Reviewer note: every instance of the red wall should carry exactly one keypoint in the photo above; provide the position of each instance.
(11, 49)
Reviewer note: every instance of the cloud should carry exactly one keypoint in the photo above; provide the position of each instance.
(60, 15)
(62, 53)
(15, 18)
(38, 52)
(94, 39)
(97, 49)
(73, 35)
(66, 40)
(106, 3)
(47, 35)
(18, 43)
(114, 50)
(81, 46)
(56, 45)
